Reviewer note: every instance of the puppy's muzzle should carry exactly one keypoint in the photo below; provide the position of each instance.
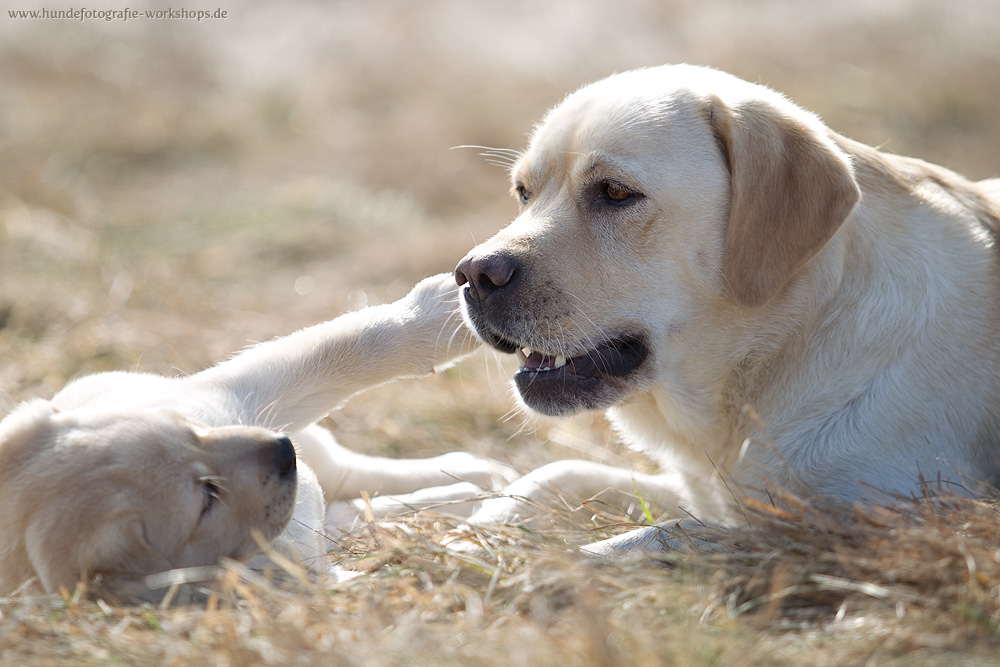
(284, 456)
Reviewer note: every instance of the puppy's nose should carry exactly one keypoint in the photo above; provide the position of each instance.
(284, 456)
(485, 274)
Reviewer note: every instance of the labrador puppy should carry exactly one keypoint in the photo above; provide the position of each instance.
(755, 300)
(123, 475)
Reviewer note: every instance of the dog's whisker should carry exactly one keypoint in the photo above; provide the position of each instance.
(491, 149)
(503, 164)
(500, 157)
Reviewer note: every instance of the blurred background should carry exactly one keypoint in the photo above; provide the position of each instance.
(172, 189)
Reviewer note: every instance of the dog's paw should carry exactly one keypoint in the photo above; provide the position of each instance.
(469, 539)
(503, 510)
(679, 535)
(483, 527)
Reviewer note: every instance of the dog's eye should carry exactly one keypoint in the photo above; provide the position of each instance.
(615, 193)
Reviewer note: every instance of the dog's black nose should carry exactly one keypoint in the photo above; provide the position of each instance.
(284, 456)
(485, 274)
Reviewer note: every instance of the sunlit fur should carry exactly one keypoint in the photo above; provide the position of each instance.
(124, 475)
(819, 314)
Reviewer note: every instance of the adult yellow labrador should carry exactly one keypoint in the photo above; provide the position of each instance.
(753, 298)
(125, 475)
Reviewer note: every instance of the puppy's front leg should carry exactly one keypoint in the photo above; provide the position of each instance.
(291, 382)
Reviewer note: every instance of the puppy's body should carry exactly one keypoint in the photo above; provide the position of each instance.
(748, 294)
(126, 474)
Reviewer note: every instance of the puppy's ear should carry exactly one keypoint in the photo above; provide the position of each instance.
(115, 551)
(123, 570)
(791, 188)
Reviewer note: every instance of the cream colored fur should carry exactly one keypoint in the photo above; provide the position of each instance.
(124, 475)
(811, 314)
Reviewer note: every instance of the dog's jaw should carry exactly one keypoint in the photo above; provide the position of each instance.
(557, 385)
(558, 378)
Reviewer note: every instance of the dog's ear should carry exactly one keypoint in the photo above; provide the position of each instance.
(791, 188)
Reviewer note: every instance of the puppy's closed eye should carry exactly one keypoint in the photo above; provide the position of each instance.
(210, 494)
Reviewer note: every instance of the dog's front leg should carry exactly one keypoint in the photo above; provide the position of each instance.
(576, 483)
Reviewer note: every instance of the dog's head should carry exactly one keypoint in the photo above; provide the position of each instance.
(125, 494)
(657, 207)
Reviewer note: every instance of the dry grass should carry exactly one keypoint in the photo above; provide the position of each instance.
(824, 586)
(169, 191)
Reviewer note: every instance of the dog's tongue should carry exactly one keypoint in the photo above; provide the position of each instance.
(538, 360)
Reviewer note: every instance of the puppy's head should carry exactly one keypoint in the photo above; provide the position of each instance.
(658, 207)
(124, 494)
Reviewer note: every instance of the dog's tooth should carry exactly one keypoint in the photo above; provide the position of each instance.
(521, 356)
(560, 362)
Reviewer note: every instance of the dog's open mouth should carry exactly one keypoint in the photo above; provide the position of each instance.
(558, 384)
(555, 378)
(616, 358)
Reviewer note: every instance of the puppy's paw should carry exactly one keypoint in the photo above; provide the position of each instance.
(484, 473)
(432, 309)
(343, 516)
(432, 291)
